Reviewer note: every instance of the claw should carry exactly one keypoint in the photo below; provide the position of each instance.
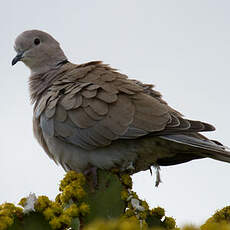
(130, 167)
(150, 169)
(158, 176)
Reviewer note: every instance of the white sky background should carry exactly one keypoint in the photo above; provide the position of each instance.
(181, 46)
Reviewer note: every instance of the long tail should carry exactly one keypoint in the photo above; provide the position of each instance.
(208, 148)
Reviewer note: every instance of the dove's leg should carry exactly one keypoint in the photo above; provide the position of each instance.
(91, 173)
(158, 176)
(128, 167)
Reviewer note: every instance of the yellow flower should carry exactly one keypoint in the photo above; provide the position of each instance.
(56, 207)
(55, 223)
(74, 191)
(81, 179)
(129, 225)
(9, 206)
(145, 204)
(129, 212)
(169, 223)
(223, 225)
(18, 211)
(114, 225)
(124, 195)
(65, 196)
(5, 212)
(58, 217)
(84, 208)
(134, 195)
(22, 202)
(143, 215)
(72, 211)
(79, 193)
(49, 213)
(220, 220)
(126, 180)
(72, 176)
(58, 198)
(158, 212)
(65, 219)
(5, 222)
(42, 203)
(10, 210)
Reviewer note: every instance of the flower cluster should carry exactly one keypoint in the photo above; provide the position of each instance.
(8, 212)
(60, 212)
(69, 204)
(220, 220)
(130, 224)
(138, 210)
(72, 187)
(157, 212)
(54, 212)
(126, 180)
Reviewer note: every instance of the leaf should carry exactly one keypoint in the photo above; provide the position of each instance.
(153, 221)
(105, 202)
(35, 221)
(75, 224)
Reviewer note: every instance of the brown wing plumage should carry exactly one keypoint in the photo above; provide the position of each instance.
(91, 105)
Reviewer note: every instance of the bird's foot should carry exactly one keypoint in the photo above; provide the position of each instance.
(150, 170)
(158, 176)
(91, 175)
(130, 167)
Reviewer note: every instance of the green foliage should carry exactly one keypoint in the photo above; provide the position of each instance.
(169, 223)
(80, 203)
(158, 212)
(220, 220)
(112, 205)
(8, 212)
(35, 221)
(117, 225)
(105, 201)
(153, 221)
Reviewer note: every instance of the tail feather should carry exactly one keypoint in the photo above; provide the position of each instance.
(208, 148)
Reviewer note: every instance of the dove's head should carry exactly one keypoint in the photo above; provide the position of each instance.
(38, 50)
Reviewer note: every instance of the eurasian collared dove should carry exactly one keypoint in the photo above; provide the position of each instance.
(90, 115)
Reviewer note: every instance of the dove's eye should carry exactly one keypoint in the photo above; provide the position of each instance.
(37, 41)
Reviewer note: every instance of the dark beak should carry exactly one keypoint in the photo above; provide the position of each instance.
(17, 58)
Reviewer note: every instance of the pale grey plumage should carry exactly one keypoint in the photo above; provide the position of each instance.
(90, 115)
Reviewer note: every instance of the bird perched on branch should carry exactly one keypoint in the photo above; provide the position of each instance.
(91, 116)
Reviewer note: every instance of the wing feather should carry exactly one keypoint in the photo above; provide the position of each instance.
(93, 105)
